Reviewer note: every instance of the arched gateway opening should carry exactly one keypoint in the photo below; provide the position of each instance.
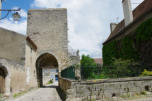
(46, 64)
(3, 74)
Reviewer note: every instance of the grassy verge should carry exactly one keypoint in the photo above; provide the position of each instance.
(22, 92)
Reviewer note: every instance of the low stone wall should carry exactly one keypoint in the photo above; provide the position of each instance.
(65, 84)
(105, 89)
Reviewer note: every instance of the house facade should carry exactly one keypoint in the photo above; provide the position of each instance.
(132, 37)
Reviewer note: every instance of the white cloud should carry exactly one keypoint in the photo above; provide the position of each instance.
(14, 26)
(17, 26)
(86, 28)
(88, 21)
(23, 13)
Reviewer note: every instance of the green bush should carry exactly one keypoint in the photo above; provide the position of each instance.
(88, 67)
(122, 68)
(98, 76)
(50, 81)
(146, 73)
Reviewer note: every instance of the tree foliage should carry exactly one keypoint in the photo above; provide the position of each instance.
(88, 67)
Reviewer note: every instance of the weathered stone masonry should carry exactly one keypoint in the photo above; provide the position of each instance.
(12, 57)
(47, 30)
(105, 89)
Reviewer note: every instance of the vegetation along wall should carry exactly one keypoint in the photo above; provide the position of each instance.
(136, 48)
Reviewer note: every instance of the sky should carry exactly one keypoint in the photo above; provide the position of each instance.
(88, 20)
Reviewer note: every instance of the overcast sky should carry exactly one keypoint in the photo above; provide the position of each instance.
(88, 20)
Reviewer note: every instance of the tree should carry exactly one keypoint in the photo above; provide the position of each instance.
(87, 67)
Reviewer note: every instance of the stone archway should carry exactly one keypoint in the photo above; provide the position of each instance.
(45, 60)
(3, 81)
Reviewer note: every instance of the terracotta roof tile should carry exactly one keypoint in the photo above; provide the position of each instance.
(98, 60)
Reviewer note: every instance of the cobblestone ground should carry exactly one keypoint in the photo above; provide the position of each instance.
(48, 93)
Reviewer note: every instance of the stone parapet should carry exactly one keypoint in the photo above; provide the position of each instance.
(105, 89)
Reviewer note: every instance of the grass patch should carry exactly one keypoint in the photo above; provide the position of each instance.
(125, 95)
(19, 94)
(143, 93)
(50, 82)
(22, 93)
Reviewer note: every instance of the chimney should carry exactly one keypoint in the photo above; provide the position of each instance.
(112, 26)
(128, 16)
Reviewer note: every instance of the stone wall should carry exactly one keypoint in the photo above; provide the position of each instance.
(30, 62)
(48, 30)
(18, 80)
(105, 89)
(15, 78)
(12, 45)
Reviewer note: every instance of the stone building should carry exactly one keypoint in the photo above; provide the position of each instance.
(47, 43)
(129, 27)
(12, 59)
(22, 58)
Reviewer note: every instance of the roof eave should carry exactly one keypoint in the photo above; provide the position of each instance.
(130, 25)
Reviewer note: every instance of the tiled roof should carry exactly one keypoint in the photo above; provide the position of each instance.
(146, 5)
(98, 60)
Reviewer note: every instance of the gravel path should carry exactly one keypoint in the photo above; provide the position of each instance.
(41, 94)
(47, 93)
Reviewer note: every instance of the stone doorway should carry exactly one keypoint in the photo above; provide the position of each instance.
(2, 80)
(45, 61)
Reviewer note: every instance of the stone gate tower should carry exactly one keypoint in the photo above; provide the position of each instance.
(47, 42)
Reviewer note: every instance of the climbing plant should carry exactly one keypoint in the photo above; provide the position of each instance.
(126, 48)
(110, 52)
(144, 31)
(127, 51)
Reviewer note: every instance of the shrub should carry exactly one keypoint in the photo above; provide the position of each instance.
(50, 81)
(121, 68)
(146, 73)
(88, 66)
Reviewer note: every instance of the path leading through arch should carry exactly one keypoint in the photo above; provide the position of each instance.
(48, 93)
(45, 61)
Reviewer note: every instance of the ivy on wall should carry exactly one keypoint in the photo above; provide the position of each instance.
(119, 49)
(127, 47)
(127, 51)
(109, 52)
(144, 31)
